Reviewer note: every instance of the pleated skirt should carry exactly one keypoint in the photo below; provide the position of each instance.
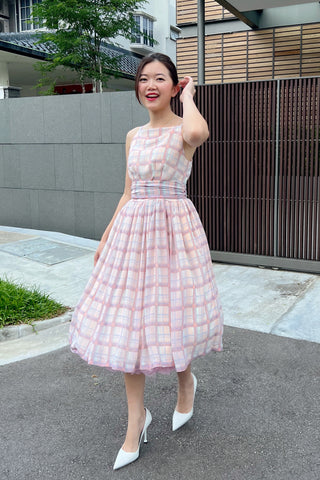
(151, 303)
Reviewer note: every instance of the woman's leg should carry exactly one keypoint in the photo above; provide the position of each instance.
(185, 391)
(136, 413)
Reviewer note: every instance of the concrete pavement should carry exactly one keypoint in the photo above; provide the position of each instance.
(256, 417)
(256, 413)
(60, 266)
(271, 301)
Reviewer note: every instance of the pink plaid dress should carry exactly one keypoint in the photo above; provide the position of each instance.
(151, 303)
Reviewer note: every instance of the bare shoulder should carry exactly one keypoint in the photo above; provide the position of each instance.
(131, 134)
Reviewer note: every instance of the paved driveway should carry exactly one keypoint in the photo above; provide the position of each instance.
(256, 417)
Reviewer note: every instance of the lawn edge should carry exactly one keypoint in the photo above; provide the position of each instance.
(14, 332)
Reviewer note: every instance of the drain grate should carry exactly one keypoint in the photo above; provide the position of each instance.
(44, 251)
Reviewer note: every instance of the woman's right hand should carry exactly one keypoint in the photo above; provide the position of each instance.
(98, 252)
(188, 88)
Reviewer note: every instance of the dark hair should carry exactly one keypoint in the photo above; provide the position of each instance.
(156, 57)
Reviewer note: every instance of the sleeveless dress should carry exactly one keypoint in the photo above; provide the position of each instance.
(151, 303)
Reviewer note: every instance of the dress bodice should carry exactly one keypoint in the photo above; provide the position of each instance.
(157, 154)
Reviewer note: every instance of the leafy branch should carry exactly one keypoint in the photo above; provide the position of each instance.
(77, 33)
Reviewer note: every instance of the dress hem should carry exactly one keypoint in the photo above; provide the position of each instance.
(157, 369)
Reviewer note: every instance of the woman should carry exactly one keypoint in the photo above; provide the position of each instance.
(151, 304)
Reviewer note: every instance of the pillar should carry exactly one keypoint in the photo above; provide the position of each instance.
(201, 42)
(6, 91)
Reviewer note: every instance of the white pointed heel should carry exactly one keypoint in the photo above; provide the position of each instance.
(124, 458)
(180, 419)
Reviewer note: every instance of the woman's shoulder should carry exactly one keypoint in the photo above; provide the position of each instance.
(130, 136)
(132, 133)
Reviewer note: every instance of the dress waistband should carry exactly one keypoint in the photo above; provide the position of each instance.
(157, 189)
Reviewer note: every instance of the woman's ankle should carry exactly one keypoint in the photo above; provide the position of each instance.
(136, 417)
(185, 382)
(135, 427)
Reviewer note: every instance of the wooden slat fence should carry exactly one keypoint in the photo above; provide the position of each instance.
(187, 11)
(279, 52)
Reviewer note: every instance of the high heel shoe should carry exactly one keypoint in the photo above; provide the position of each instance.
(180, 419)
(124, 458)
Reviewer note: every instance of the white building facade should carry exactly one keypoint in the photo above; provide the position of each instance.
(157, 19)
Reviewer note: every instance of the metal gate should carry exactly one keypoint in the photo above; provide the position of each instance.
(256, 181)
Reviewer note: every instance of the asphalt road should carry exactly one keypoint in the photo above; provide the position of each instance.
(256, 416)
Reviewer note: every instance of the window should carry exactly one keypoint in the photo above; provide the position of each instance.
(144, 25)
(25, 8)
(174, 33)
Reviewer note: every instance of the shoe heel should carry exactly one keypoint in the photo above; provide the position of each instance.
(124, 458)
(180, 419)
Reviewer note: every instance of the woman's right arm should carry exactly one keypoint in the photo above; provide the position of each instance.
(123, 200)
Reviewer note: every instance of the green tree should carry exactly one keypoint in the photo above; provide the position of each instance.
(76, 31)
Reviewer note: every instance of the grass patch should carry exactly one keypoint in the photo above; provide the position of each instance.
(21, 305)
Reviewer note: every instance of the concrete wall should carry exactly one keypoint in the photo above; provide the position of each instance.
(62, 160)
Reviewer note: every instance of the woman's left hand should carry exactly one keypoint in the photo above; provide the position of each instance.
(188, 88)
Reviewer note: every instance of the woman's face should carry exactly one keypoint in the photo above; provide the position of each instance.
(156, 86)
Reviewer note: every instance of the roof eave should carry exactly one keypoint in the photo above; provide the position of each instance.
(250, 18)
(13, 48)
(27, 52)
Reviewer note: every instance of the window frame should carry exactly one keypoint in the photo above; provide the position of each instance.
(24, 16)
(146, 26)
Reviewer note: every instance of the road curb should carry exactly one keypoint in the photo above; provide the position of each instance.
(14, 332)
